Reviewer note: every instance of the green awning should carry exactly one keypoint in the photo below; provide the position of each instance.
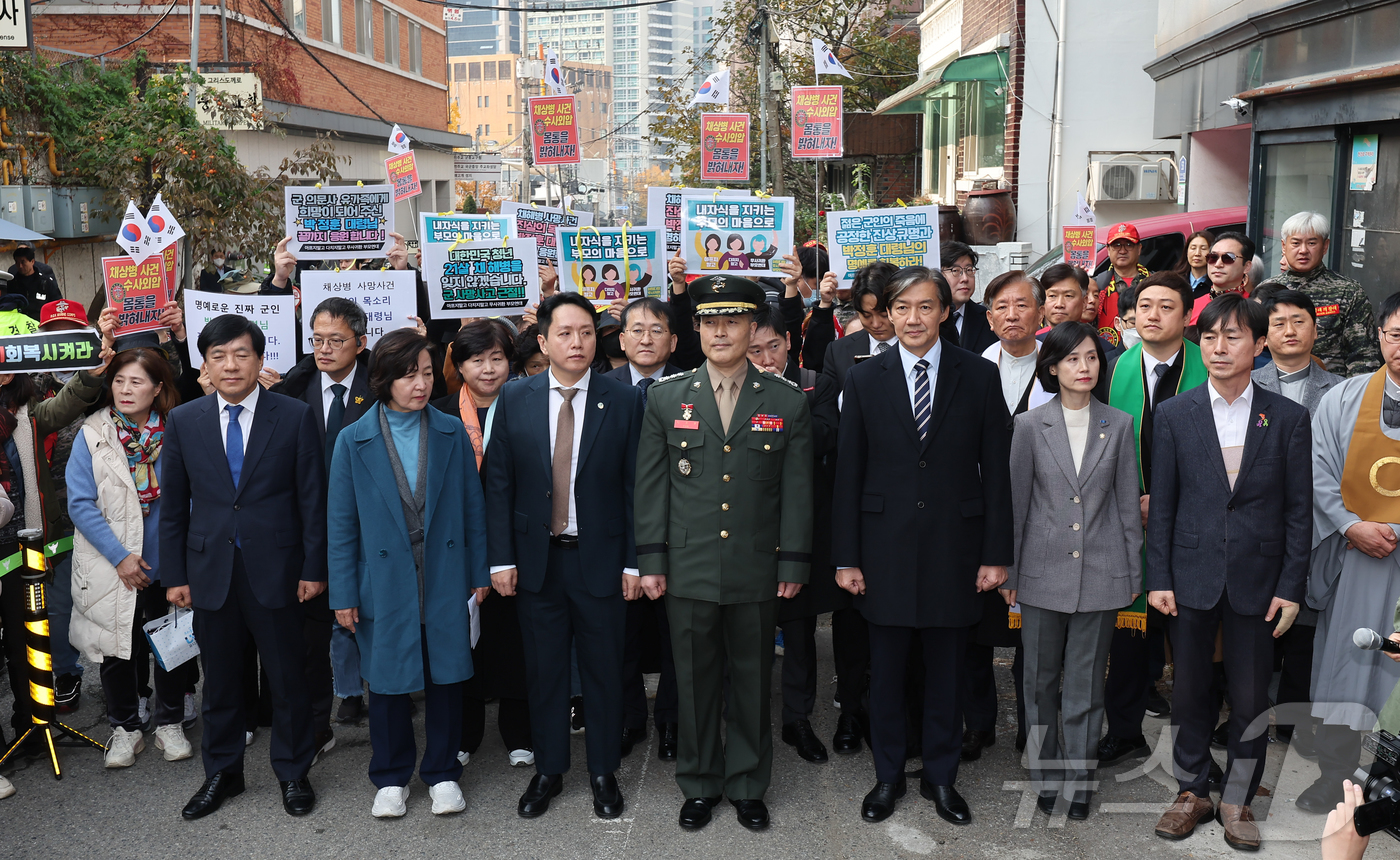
(990, 66)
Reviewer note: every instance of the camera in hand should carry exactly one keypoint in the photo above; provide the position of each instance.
(1381, 786)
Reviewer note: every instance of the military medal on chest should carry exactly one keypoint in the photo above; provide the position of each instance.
(685, 422)
(687, 409)
(683, 466)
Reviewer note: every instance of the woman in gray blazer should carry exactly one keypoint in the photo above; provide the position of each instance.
(1074, 479)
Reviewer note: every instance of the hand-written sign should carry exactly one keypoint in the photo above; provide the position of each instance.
(52, 352)
(538, 223)
(735, 233)
(339, 223)
(816, 122)
(724, 139)
(136, 291)
(481, 279)
(275, 315)
(554, 127)
(904, 237)
(387, 297)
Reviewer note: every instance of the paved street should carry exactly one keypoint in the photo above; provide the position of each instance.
(134, 813)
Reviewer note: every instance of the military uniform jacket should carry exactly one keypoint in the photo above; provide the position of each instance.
(725, 516)
(1346, 325)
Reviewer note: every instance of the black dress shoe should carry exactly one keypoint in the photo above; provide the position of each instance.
(800, 735)
(1045, 802)
(1321, 797)
(1157, 704)
(1079, 809)
(1113, 750)
(1020, 742)
(848, 734)
(1215, 777)
(950, 805)
(879, 803)
(974, 741)
(535, 801)
(630, 738)
(695, 812)
(298, 798)
(1220, 738)
(607, 797)
(351, 709)
(215, 791)
(666, 742)
(753, 814)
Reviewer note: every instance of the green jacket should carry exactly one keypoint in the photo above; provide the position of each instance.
(37, 419)
(725, 517)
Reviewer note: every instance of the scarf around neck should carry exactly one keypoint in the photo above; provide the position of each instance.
(142, 448)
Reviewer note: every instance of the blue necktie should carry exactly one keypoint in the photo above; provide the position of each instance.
(233, 449)
(644, 384)
(923, 402)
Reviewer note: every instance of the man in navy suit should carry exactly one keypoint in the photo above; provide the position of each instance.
(1229, 535)
(243, 540)
(559, 511)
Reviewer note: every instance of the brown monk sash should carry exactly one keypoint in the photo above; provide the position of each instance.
(1371, 476)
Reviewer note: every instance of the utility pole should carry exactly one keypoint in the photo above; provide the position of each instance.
(195, 8)
(763, 96)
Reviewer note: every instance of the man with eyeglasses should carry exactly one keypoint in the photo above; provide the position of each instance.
(1124, 249)
(967, 324)
(334, 381)
(1346, 326)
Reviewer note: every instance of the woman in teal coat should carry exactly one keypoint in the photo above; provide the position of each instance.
(407, 534)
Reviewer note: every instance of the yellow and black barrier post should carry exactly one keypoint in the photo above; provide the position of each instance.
(40, 653)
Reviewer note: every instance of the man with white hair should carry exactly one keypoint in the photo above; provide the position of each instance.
(1346, 325)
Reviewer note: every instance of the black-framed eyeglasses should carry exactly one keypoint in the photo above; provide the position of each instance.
(334, 343)
(960, 270)
(1228, 258)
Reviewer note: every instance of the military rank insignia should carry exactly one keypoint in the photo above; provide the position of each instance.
(766, 423)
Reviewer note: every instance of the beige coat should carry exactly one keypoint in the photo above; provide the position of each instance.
(104, 608)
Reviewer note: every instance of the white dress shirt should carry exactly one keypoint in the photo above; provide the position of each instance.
(1231, 425)
(1016, 372)
(637, 374)
(245, 418)
(911, 374)
(328, 396)
(1148, 366)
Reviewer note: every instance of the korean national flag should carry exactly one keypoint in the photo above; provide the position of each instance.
(133, 236)
(553, 76)
(825, 60)
(162, 226)
(714, 90)
(398, 141)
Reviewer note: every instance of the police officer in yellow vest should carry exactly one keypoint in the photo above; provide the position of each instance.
(724, 529)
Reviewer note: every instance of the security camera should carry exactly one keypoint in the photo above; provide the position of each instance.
(1239, 106)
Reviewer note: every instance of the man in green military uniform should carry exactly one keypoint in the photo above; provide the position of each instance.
(724, 528)
(1346, 325)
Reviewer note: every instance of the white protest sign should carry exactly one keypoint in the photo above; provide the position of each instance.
(905, 237)
(387, 297)
(343, 222)
(538, 223)
(481, 279)
(275, 315)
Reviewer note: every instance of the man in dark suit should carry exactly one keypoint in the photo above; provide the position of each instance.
(922, 524)
(1229, 534)
(876, 335)
(967, 325)
(559, 509)
(243, 540)
(648, 339)
(334, 381)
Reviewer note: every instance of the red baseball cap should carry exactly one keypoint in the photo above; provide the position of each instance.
(1122, 231)
(63, 310)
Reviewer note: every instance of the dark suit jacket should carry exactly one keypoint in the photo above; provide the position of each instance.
(1252, 543)
(821, 593)
(519, 480)
(623, 374)
(278, 509)
(841, 356)
(919, 518)
(977, 330)
(304, 383)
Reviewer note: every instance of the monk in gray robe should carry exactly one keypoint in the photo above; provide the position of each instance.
(1355, 573)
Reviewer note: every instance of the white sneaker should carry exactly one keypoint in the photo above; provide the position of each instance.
(463, 757)
(143, 710)
(123, 747)
(389, 802)
(191, 711)
(171, 739)
(7, 788)
(447, 798)
(248, 739)
(522, 758)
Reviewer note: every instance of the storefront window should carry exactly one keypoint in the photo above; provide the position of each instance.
(1297, 177)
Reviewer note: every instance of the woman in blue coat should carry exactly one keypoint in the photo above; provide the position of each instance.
(407, 533)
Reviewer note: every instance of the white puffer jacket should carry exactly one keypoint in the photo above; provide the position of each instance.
(104, 608)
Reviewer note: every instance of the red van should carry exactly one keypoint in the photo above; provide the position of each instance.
(1163, 238)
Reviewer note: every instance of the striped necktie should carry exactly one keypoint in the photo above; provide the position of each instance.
(923, 402)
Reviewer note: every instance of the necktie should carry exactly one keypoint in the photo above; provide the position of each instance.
(334, 418)
(1157, 373)
(563, 462)
(1390, 412)
(881, 346)
(957, 320)
(727, 397)
(233, 443)
(923, 402)
(644, 384)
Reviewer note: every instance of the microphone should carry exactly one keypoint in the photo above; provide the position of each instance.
(1369, 640)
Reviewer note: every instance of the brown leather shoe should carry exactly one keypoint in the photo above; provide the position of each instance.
(1241, 833)
(1181, 818)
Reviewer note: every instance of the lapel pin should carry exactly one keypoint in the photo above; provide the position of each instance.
(359, 400)
(1263, 421)
(1103, 422)
(1101, 435)
(600, 406)
(755, 386)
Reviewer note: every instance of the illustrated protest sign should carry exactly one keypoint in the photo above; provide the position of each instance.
(481, 279)
(339, 223)
(388, 297)
(664, 210)
(735, 233)
(275, 315)
(538, 223)
(904, 237)
(607, 264)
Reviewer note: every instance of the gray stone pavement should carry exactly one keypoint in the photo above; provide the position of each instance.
(135, 813)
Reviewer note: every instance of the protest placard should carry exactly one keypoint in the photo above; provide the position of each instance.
(481, 279)
(51, 351)
(904, 237)
(735, 233)
(1079, 246)
(403, 175)
(816, 122)
(538, 223)
(275, 315)
(605, 264)
(136, 292)
(388, 297)
(457, 227)
(171, 257)
(554, 124)
(339, 223)
(664, 210)
(724, 141)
